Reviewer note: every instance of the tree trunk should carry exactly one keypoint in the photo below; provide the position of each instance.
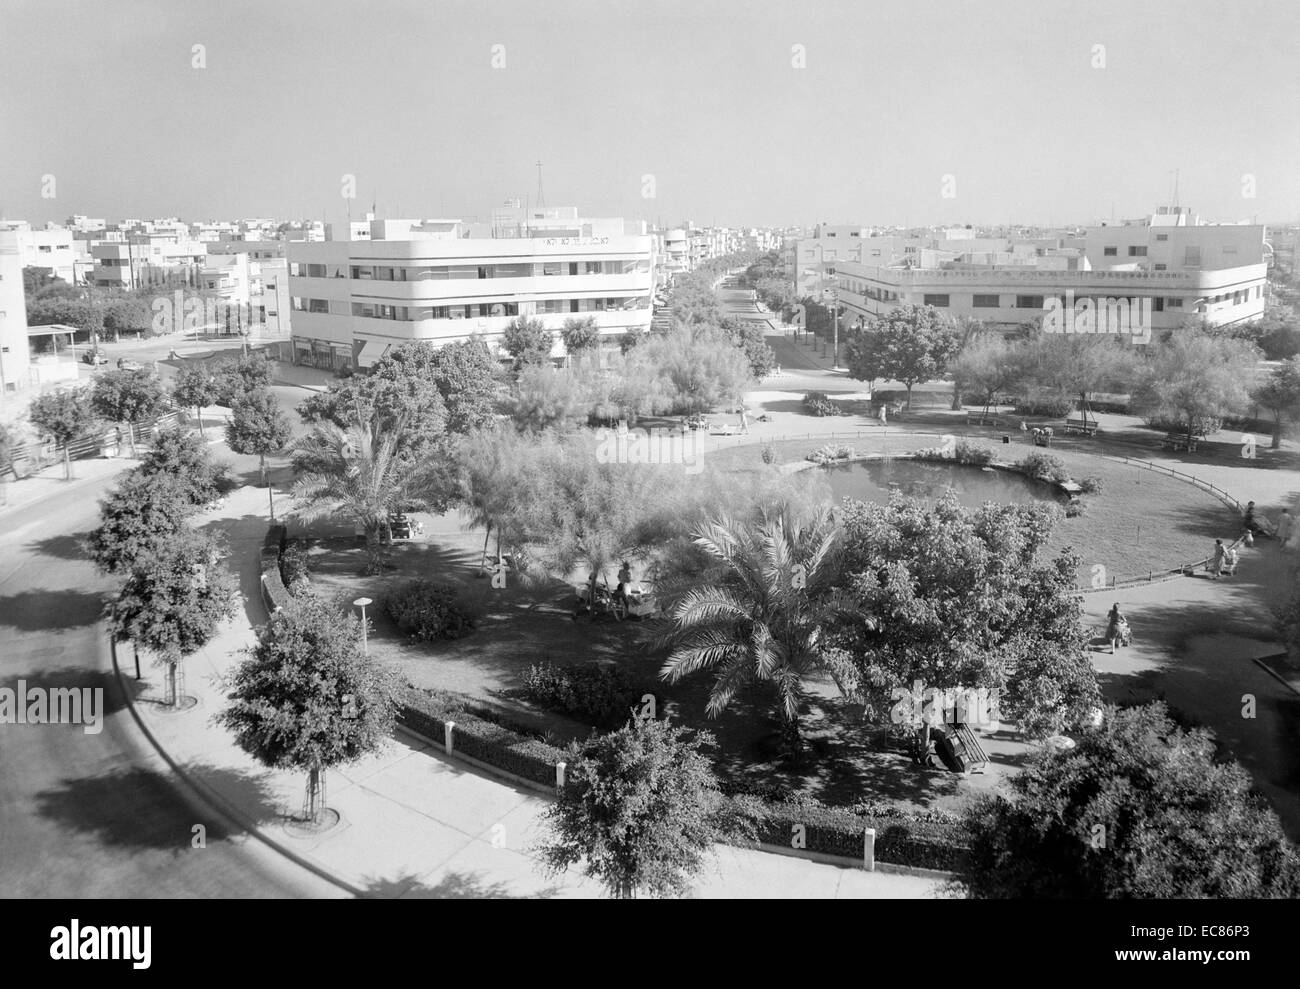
(909, 398)
(313, 802)
(483, 563)
(1277, 433)
(67, 464)
(261, 465)
(198, 413)
(374, 551)
(172, 699)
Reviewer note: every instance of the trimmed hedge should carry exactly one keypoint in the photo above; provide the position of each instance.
(274, 594)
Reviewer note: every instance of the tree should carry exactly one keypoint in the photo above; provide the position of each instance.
(912, 345)
(748, 336)
(401, 390)
(1076, 365)
(1139, 809)
(138, 517)
(37, 280)
(492, 467)
(179, 454)
(174, 598)
(469, 378)
(528, 341)
(1196, 375)
(968, 331)
(1280, 394)
(760, 616)
(130, 313)
(699, 368)
(306, 698)
(640, 809)
(959, 600)
(355, 473)
(127, 396)
(63, 415)
(85, 316)
(580, 334)
(257, 427)
(987, 365)
(545, 398)
(194, 387)
(241, 375)
(632, 338)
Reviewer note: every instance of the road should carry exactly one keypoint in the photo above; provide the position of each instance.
(94, 815)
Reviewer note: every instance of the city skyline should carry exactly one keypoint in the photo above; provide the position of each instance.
(663, 113)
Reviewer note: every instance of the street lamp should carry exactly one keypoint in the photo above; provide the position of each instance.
(362, 603)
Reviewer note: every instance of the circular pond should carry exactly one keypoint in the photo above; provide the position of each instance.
(877, 480)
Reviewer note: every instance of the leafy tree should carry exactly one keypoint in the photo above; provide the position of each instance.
(987, 365)
(544, 397)
(127, 396)
(528, 341)
(306, 698)
(959, 600)
(699, 369)
(492, 466)
(258, 427)
(1139, 809)
(1077, 365)
(1196, 374)
(748, 336)
(238, 376)
(85, 316)
(174, 598)
(355, 473)
(632, 338)
(912, 345)
(1280, 394)
(580, 334)
(968, 331)
(177, 453)
(63, 415)
(194, 387)
(36, 279)
(138, 517)
(640, 810)
(468, 377)
(130, 313)
(760, 615)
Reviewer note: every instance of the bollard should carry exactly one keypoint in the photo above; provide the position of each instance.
(869, 850)
(447, 735)
(559, 775)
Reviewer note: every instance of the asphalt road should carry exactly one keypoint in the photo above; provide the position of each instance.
(89, 815)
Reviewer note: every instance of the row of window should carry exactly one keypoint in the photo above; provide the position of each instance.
(1158, 304)
(415, 273)
(376, 310)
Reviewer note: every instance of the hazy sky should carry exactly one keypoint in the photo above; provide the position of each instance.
(702, 95)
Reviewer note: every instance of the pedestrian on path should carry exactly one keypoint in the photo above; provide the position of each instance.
(1216, 564)
(1285, 527)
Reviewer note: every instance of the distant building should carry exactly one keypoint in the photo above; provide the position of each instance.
(51, 249)
(429, 280)
(15, 357)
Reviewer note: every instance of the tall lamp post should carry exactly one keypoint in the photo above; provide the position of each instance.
(362, 603)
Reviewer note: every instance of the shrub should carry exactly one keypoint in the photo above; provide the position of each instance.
(1201, 425)
(1056, 408)
(1091, 485)
(430, 609)
(1038, 464)
(816, 403)
(969, 453)
(599, 694)
(769, 454)
(293, 564)
(1075, 508)
(830, 453)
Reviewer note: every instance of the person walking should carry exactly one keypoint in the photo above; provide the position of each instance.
(1285, 527)
(1216, 564)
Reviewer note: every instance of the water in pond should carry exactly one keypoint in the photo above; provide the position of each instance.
(876, 480)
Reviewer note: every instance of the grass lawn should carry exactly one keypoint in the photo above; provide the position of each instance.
(1141, 521)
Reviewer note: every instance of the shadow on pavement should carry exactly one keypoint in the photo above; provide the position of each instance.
(453, 886)
(48, 610)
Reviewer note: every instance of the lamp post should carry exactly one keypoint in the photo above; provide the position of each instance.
(362, 603)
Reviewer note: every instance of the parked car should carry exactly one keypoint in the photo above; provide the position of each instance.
(126, 364)
(94, 357)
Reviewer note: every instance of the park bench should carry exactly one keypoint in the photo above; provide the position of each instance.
(959, 750)
(1086, 427)
(976, 419)
(1178, 442)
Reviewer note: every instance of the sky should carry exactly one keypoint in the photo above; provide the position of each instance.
(730, 112)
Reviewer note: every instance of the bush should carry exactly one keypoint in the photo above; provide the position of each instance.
(1044, 465)
(1055, 408)
(769, 454)
(830, 453)
(1090, 485)
(293, 564)
(430, 609)
(969, 453)
(599, 694)
(1075, 508)
(1201, 425)
(816, 403)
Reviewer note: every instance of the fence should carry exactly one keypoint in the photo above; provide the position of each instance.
(24, 459)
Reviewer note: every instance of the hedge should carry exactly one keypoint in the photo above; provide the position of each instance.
(274, 594)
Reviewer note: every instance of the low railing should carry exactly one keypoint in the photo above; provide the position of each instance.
(47, 454)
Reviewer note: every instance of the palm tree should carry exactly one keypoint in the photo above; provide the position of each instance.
(763, 617)
(358, 474)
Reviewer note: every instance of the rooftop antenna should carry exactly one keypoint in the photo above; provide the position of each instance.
(541, 197)
(1175, 189)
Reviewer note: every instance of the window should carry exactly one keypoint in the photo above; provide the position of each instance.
(1109, 252)
(318, 305)
(1229, 248)
(593, 268)
(1160, 267)
(1158, 305)
(986, 302)
(1174, 303)
(1192, 257)
(1162, 236)
(1137, 251)
(573, 267)
(315, 271)
(936, 300)
(1029, 302)
(484, 271)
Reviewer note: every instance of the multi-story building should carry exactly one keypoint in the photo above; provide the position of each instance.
(816, 258)
(146, 259)
(1184, 268)
(51, 249)
(262, 269)
(15, 357)
(426, 280)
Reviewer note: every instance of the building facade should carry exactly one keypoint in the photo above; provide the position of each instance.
(15, 359)
(425, 280)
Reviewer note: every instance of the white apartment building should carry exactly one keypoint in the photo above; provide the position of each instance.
(146, 259)
(427, 280)
(15, 360)
(51, 248)
(255, 274)
(1184, 268)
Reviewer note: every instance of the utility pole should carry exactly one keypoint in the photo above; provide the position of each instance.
(541, 197)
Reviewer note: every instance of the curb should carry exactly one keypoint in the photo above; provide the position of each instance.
(1260, 662)
(211, 797)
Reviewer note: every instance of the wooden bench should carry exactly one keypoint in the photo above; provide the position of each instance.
(1178, 443)
(1087, 427)
(975, 419)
